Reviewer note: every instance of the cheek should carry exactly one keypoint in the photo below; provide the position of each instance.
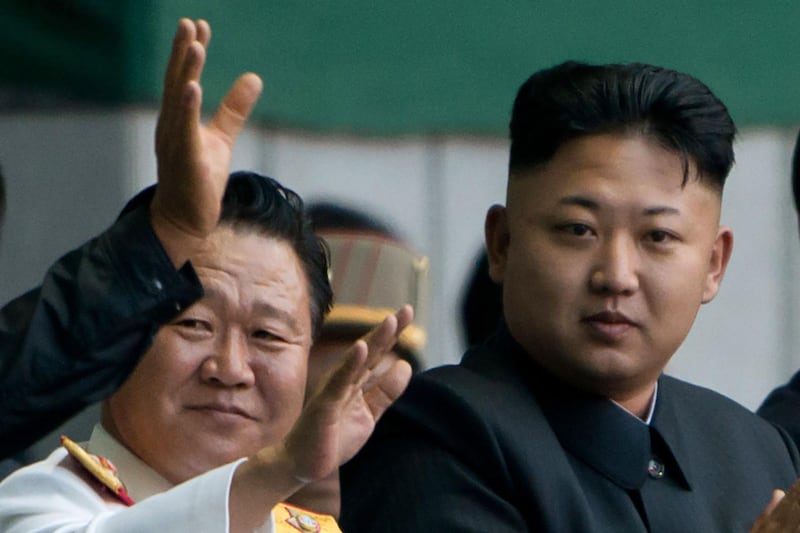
(538, 275)
(678, 286)
(282, 382)
(159, 376)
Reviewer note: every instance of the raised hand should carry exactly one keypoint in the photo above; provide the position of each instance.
(341, 416)
(334, 425)
(194, 159)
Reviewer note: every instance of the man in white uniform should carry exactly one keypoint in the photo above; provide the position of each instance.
(210, 432)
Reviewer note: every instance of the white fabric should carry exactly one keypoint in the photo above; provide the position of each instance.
(650, 410)
(47, 497)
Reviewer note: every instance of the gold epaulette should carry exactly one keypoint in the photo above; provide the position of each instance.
(99, 467)
(291, 519)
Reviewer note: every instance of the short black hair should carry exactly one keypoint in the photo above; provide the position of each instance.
(576, 99)
(261, 203)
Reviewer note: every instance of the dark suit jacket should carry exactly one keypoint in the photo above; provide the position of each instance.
(497, 445)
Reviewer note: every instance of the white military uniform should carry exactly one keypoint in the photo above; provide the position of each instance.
(55, 495)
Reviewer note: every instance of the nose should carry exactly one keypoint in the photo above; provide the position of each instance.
(229, 365)
(617, 267)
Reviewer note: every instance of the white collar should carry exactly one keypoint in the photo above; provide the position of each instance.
(649, 418)
(140, 480)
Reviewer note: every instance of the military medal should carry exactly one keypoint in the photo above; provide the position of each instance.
(298, 519)
(99, 467)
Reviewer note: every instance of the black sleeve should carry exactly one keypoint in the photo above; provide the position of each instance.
(73, 340)
(430, 466)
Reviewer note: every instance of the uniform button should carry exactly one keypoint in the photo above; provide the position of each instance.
(655, 469)
(157, 284)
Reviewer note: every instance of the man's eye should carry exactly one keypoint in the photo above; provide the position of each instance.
(190, 323)
(579, 230)
(264, 335)
(660, 236)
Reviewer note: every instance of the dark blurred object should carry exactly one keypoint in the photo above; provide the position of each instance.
(481, 303)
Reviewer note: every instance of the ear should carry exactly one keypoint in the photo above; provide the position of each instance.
(497, 239)
(720, 255)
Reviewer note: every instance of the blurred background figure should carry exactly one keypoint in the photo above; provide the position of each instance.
(481, 303)
(782, 405)
(373, 270)
(2, 201)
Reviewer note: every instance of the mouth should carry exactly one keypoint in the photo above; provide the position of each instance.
(222, 410)
(609, 326)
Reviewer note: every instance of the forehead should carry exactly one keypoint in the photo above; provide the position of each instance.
(246, 265)
(611, 168)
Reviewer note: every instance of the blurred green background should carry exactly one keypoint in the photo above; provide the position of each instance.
(390, 68)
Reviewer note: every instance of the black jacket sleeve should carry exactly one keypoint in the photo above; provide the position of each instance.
(73, 340)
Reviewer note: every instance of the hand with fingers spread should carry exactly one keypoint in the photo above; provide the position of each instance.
(340, 417)
(335, 423)
(194, 159)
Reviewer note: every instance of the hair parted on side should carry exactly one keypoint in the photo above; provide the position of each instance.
(574, 99)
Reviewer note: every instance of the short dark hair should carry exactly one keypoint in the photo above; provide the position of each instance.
(575, 99)
(261, 203)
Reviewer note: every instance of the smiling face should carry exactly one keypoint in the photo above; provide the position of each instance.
(605, 259)
(227, 376)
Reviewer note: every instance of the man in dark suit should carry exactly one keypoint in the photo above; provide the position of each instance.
(782, 405)
(608, 244)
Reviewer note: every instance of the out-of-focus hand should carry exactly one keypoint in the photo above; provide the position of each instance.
(194, 159)
(782, 514)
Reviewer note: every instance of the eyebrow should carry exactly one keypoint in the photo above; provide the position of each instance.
(588, 203)
(266, 308)
(262, 307)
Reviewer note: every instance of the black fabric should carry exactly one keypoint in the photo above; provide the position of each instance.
(782, 407)
(496, 444)
(73, 340)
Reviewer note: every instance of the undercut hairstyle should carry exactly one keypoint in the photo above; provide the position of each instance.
(260, 203)
(573, 100)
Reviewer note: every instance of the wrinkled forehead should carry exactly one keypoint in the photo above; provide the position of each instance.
(250, 260)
